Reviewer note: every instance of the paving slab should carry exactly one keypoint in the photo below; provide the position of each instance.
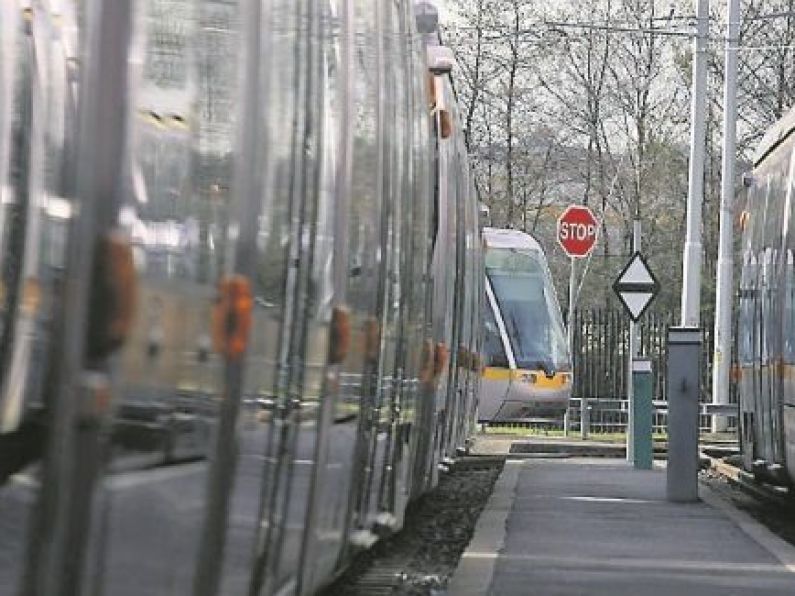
(598, 527)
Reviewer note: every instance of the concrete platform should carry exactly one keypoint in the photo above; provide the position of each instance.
(598, 527)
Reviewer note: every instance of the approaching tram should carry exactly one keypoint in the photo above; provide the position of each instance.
(528, 372)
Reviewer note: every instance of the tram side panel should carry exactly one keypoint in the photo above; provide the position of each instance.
(759, 386)
(765, 313)
(37, 135)
(277, 460)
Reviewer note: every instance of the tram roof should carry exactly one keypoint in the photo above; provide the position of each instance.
(775, 135)
(502, 238)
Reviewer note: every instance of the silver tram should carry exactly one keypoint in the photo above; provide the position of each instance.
(240, 289)
(765, 311)
(528, 370)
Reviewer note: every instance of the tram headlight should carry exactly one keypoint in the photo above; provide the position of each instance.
(529, 378)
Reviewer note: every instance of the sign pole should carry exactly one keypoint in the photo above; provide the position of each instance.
(636, 288)
(570, 328)
(578, 231)
(634, 350)
(572, 300)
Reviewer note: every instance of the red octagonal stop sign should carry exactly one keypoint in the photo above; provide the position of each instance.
(577, 231)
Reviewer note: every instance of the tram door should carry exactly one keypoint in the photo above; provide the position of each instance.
(772, 276)
(768, 345)
(750, 335)
(786, 437)
(409, 199)
(745, 356)
(458, 180)
(287, 178)
(388, 388)
(788, 358)
(174, 209)
(366, 261)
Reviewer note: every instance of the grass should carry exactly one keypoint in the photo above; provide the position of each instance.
(608, 437)
(558, 434)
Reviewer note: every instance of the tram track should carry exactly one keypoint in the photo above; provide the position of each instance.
(771, 506)
(744, 481)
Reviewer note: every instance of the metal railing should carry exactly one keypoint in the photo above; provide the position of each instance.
(612, 415)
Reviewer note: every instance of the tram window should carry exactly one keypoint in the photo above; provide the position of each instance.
(492, 342)
(768, 295)
(745, 351)
(529, 308)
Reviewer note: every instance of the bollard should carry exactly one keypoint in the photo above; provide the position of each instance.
(643, 447)
(585, 418)
(567, 422)
(683, 384)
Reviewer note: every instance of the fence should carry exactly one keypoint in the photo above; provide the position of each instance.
(611, 416)
(601, 366)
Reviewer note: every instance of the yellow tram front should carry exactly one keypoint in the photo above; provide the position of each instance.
(528, 372)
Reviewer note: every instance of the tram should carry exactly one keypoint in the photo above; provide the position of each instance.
(241, 279)
(528, 370)
(765, 310)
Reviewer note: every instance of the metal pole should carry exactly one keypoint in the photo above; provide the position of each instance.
(634, 351)
(572, 304)
(570, 337)
(691, 275)
(725, 282)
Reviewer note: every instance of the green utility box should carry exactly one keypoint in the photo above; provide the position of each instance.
(642, 414)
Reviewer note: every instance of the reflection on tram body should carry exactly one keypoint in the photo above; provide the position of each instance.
(143, 450)
(528, 365)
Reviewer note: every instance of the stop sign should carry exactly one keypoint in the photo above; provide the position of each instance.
(577, 231)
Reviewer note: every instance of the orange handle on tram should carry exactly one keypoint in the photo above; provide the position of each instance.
(232, 316)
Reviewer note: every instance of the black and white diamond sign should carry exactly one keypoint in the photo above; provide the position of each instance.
(636, 287)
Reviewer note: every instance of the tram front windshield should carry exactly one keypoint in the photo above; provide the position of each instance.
(529, 309)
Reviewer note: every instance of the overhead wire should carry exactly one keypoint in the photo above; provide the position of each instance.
(540, 28)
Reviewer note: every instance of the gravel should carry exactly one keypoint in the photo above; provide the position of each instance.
(420, 559)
